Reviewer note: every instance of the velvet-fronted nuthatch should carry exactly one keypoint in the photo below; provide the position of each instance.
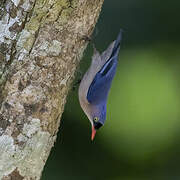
(96, 83)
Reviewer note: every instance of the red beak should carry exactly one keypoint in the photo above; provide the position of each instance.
(93, 133)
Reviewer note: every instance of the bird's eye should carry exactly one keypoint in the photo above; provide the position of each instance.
(96, 119)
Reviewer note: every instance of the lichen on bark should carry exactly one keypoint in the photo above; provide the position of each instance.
(41, 43)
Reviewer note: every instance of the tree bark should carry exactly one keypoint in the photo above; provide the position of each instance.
(41, 44)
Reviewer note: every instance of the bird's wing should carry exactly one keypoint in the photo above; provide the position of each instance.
(100, 86)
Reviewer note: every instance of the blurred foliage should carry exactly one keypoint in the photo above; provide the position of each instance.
(141, 137)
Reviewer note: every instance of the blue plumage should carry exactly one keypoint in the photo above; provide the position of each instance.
(96, 83)
(101, 84)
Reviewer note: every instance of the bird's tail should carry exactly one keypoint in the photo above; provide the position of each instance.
(117, 43)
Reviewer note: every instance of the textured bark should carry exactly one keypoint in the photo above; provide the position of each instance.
(41, 43)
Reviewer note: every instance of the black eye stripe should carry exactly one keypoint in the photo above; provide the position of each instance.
(97, 125)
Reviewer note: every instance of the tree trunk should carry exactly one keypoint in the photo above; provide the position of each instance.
(41, 44)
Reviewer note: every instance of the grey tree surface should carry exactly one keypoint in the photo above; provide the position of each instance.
(41, 44)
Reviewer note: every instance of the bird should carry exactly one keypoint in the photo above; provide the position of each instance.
(96, 83)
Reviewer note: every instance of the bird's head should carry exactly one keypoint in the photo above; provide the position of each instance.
(97, 118)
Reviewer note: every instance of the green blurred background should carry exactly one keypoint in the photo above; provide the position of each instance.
(141, 137)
